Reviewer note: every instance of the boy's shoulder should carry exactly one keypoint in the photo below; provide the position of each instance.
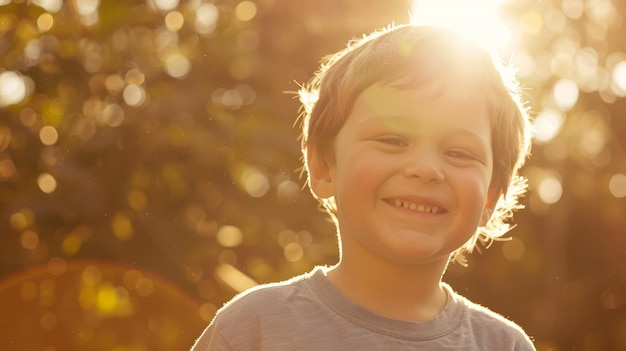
(488, 326)
(265, 299)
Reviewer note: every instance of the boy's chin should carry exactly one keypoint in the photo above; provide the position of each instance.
(419, 257)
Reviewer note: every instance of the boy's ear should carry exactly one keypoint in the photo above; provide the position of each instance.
(320, 174)
(490, 205)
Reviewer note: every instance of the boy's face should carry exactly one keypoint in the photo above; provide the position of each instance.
(410, 176)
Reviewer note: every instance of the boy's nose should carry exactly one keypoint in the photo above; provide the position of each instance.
(424, 166)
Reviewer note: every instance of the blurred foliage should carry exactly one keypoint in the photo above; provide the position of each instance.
(149, 167)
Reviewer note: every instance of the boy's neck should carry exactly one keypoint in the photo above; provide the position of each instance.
(411, 293)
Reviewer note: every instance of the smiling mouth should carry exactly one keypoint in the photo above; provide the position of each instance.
(421, 208)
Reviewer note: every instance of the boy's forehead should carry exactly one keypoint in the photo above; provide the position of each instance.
(405, 110)
(387, 100)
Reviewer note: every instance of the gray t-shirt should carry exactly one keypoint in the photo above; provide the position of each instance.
(308, 313)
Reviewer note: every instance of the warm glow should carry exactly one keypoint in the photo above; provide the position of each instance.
(477, 20)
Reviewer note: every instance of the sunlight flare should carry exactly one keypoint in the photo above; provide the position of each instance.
(478, 21)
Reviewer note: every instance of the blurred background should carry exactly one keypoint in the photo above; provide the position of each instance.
(149, 164)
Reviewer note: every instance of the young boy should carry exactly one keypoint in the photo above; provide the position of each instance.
(412, 141)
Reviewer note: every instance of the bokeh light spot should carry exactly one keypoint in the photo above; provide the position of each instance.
(286, 237)
(106, 298)
(550, 189)
(49, 5)
(206, 18)
(28, 117)
(134, 95)
(174, 21)
(48, 135)
(230, 98)
(86, 7)
(255, 182)
(47, 183)
(132, 278)
(22, 219)
(54, 111)
(7, 168)
(12, 88)
(135, 76)
(293, 252)
(592, 142)
(45, 21)
(617, 185)
(245, 10)
(137, 200)
(619, 77)
(565, 94)
(229, 236)
(71, 244)
(114, 83)
(166, 5)
(144, 287)
(288, 191)
(573, 8)
(547, 125)
(29, 240)
(113, 115)
(177, 66)
(122, 227)
(91, 276)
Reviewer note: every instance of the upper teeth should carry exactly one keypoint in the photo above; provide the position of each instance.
(415, 207)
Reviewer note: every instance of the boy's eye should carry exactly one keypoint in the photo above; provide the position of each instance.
(393, 141)
(460, 154)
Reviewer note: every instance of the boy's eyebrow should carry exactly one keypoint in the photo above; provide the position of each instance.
(406, 125)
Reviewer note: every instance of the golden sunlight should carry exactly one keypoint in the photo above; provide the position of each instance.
(478, 21)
